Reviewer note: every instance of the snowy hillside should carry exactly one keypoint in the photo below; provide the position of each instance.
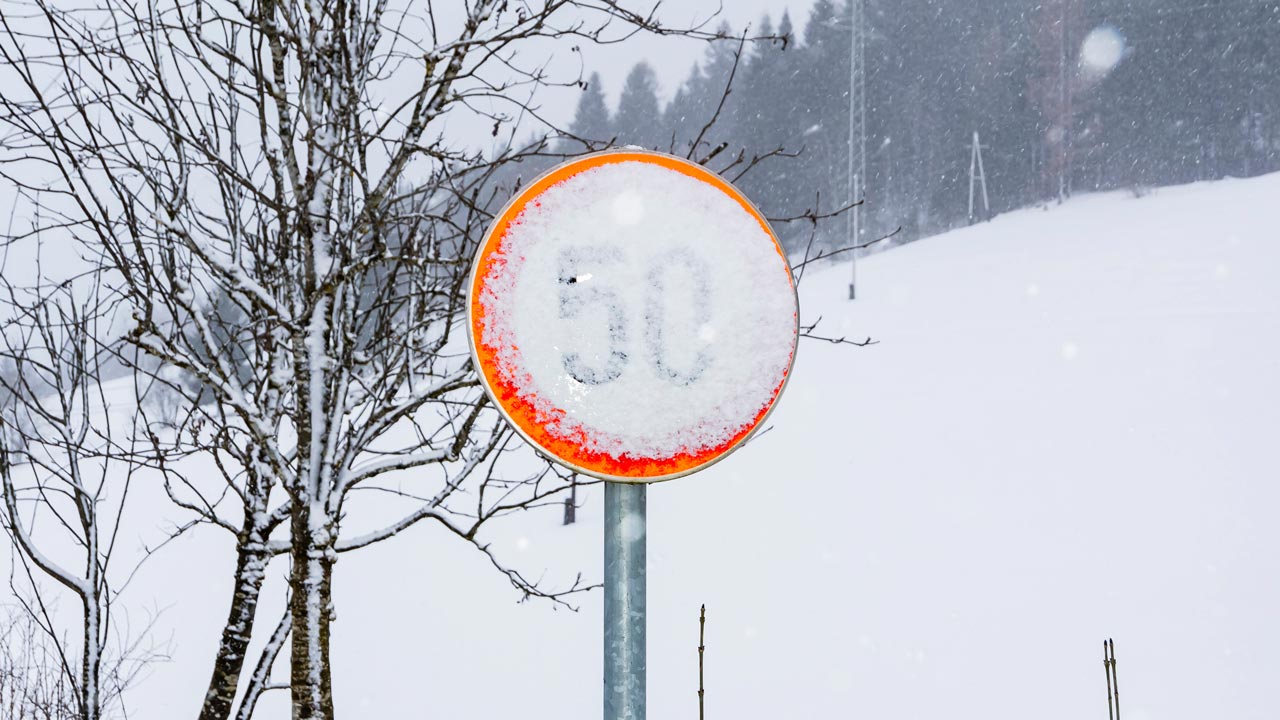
(1067, 431)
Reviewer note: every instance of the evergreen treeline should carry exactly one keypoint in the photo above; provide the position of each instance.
(1195, 95)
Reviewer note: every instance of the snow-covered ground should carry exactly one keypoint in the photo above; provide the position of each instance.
(1068, 431)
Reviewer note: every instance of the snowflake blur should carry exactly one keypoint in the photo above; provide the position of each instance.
(1102, 50)
(634, 315)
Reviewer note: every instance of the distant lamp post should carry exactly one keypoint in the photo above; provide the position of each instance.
(856, 173)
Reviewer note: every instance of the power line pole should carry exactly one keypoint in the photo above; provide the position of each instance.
(1064, 105)
(857, 170)
(978, 175)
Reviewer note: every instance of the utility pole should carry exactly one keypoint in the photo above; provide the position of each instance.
(978, 174)
(1064, 106)
(857, 170)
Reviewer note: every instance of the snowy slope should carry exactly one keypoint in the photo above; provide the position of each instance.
(1067, 432)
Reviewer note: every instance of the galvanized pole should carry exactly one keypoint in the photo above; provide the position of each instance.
(624, 601)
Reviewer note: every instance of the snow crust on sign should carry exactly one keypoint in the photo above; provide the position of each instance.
(641, 309)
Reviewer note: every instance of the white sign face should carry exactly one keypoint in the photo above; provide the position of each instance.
(633, 315)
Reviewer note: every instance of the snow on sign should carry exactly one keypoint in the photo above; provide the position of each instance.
(633, 315)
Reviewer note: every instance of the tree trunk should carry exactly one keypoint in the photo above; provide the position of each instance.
(251, 564)
(311, 607)
(91, 661)
(91, 656)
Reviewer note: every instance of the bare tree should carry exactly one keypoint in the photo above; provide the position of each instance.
(280, 213)
(64, 488)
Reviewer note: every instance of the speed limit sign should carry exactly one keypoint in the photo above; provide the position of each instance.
(633, 315)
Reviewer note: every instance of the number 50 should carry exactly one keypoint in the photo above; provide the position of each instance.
(579, 290)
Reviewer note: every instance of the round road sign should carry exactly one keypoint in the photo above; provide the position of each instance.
(633, 315)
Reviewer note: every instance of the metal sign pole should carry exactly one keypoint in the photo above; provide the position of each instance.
(635, 194)
(624, 601)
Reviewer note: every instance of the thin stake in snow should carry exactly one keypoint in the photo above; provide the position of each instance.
(1106, 666)
(571, 502)
(1113, 685)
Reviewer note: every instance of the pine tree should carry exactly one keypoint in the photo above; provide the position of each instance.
(764, 120)
(696, 101)
(683, 118)
(1056, 28)
(787, 32)
(1255, 110)
(717, 67)
(790, 193)
(759, 124)
(910, 103)
(591, 124)
(637, 120)
(823, 102)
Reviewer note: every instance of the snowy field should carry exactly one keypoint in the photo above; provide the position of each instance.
(1067, 431)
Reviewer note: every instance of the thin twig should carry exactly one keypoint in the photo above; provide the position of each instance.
(702, 649)
(1106, 666)
(806, 331)
(823, 256)
(1115, 681)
